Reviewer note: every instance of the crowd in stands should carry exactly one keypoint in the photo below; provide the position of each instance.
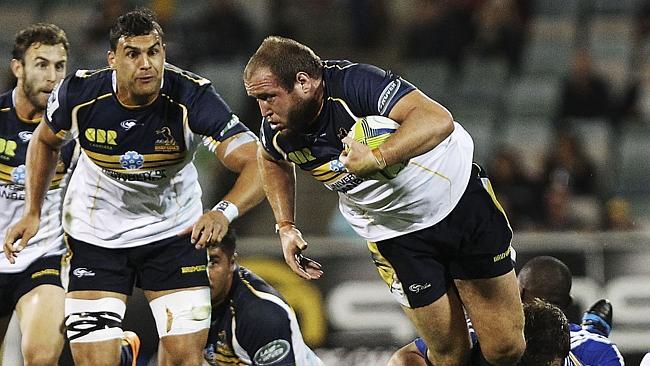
(569, 190)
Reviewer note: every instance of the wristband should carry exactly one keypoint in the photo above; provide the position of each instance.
(379, 158)
(283, 223)
(228, 209)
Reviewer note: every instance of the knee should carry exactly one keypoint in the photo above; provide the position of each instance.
(45, 355)
(183, 358)
(504, 353)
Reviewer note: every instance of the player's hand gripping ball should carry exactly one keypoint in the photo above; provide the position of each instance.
(372, 131)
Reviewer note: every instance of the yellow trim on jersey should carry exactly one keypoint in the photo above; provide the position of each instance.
(148, 157)
(30, 121)
(198, 80)
(345, 105)
(61, 134)
(78, 106)
(6, 169)
(6, 177)
(277, 146)
(5, 109)
(488, 187)
(324, 174)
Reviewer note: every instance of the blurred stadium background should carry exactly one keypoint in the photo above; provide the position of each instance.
(556, 94)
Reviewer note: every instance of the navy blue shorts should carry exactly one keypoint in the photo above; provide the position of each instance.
(13, 286)
(168, 264)
(472, 242)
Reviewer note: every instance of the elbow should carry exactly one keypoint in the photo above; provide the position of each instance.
(446, 125)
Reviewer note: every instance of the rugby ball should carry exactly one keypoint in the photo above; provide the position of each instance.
(372, 131)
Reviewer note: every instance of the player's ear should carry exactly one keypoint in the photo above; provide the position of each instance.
(233, 261)
(303, 79)
(17, 68)
(110, 57)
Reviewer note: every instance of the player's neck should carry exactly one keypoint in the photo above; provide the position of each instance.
(132, 101)
(25, 110)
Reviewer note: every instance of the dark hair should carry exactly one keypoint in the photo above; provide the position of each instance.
(229, 243)
(546, 332)
(43, 33)
(138, 22)
(285, 58)
(548, 278)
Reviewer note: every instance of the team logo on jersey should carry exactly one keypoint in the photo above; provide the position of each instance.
(165, 140)
(131, 160)
(25, 136)
(272, 352)
(18, 174)
(127, 124)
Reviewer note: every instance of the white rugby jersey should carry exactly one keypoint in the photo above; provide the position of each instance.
(135, 182)
(421, 195)
(15, 134)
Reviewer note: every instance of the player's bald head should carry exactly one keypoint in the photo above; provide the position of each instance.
(546, 278)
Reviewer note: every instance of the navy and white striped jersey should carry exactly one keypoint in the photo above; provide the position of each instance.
(421, 195)
(255, 326)
(135, 182)
(15, 134)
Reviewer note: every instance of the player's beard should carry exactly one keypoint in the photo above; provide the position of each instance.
(34, 95)
(300, 118)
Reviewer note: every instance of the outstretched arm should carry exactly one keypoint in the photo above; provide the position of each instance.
(42, 155)
(238, 154)
(279, 179)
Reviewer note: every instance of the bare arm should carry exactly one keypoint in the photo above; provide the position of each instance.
(245, 194)
(42, 155)
(279, 179)
(424, 123)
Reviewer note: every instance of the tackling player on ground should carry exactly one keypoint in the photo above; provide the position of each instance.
(251, 322)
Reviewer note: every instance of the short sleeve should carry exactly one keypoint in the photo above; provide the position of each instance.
(267, 137)
(211, 117)
(373, 90)
(57, 114)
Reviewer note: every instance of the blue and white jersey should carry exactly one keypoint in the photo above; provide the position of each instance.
(135, 182)
(255, 326)
(15, 134)
(594, 349)
(420, 196)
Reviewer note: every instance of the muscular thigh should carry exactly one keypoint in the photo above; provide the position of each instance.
(494, 307)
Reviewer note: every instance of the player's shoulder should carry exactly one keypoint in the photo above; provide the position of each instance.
(256, 294)
(182, 84)
(84, 85)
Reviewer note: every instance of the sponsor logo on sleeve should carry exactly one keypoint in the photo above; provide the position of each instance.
(272, 352)
(387, 95)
